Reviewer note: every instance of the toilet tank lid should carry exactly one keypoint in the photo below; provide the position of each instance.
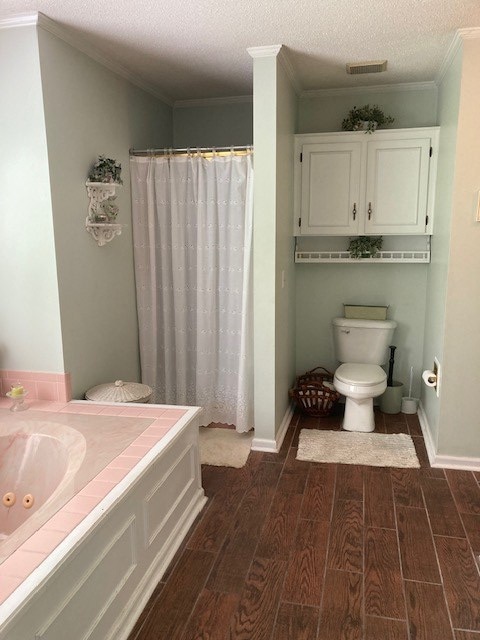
(364, 324)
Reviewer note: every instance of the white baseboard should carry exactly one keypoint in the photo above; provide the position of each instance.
(443, 461)
(427, 434)
(273, 446)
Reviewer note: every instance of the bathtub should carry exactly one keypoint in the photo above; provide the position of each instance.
(111, 492)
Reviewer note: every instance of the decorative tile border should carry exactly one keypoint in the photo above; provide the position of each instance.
(17, 567)
(41, 385)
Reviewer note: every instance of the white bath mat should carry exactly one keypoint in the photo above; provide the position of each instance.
(346, 447)
(224, 447)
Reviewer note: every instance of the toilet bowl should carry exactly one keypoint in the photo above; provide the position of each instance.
(359, 383)
(361, 347)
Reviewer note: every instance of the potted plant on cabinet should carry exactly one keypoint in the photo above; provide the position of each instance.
(366, 119)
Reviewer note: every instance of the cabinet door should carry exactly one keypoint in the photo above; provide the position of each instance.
(397, 186)
(331, 188)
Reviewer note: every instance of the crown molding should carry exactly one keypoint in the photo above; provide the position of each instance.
(468, 33)
(284, 60)
(77, 42)
(277, 51)
(211, 102)
(264, 52)
(20, 20)
(377, 88)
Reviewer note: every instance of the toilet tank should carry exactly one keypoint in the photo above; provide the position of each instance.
(362, 341)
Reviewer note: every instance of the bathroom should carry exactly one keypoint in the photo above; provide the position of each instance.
(70, 104)
(69, 306)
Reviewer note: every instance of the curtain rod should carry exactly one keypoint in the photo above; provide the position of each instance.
(189, 150)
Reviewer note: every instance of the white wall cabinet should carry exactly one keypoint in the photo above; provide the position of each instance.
(365, 184)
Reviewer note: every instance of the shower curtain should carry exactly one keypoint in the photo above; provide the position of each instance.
(192, 230)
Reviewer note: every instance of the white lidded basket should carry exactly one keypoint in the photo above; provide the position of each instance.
(120, 391)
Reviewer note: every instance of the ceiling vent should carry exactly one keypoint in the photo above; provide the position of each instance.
(374, 66)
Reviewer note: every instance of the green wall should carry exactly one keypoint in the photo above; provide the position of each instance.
(213, 125)
(448, 111)
(90, 111)
(459, 424)
(409, 105)
(321, 289)
(30, 335)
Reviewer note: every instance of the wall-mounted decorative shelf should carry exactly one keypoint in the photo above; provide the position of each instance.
(103, 232)
(102, 210)
(399, 249)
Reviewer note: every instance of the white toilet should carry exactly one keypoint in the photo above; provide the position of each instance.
(361, 345)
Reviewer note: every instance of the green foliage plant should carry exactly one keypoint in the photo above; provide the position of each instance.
(373, 116)
(365, 246)
(106, 170)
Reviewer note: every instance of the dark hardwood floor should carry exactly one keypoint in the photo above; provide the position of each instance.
(291, 550)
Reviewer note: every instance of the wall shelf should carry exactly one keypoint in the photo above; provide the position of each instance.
(103, 232)
(344, 256)
(331, 249)
(99, 222)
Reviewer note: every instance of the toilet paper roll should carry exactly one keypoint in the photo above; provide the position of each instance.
(430, 378)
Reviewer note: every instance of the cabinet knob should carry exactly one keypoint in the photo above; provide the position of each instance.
(354, 210)
(369, 210)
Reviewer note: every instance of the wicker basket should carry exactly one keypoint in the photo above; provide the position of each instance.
(314, 393)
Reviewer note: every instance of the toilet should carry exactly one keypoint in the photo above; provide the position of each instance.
(361, 346)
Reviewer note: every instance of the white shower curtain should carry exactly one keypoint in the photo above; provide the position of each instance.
(192, 229)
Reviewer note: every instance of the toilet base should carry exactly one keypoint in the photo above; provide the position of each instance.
(359, 415)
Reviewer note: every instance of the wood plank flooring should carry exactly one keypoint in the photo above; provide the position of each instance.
(292, 550)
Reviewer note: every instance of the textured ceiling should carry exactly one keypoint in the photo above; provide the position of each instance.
(193, 49)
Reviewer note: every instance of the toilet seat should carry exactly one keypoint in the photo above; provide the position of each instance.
(360, 375)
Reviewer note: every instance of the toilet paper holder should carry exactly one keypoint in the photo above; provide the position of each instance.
(431, 377)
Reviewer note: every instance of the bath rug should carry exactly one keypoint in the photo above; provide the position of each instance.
(224, 447)
(347, 447)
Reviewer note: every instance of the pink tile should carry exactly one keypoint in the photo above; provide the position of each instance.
(97, 488)
(65, 388)
(146, 440)
(165, 422)
(137, 451)
(134, 412)
(82, 408)
(47, 391)
(111, 475)
(44, 405)
(152, 413)
(8, 585)
(110, 411)
(174, 413)
(44, 541)
(21, 563)
(123, 462)
(82, 504)
(154, 430)
(64, 521)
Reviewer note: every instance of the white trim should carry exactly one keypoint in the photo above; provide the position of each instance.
(23, 20)
(427, 434)
(452, 50)
(468, 33)
(78, 42)
(285, 61)
(273, 446)
(211, 102)
(264, 52)
(443, 461)
(457, 462)
(377, 88)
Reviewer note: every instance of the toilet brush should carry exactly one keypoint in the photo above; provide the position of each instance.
(390, 366)
(411, 382)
